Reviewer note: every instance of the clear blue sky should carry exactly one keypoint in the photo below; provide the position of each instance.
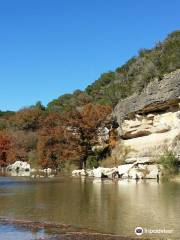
(52, 47)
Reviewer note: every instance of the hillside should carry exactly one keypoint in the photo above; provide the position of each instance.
(132, 77)
(78, 129)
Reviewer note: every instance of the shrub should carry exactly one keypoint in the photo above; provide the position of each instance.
(91, 162)
(169, 163)
(118, 156)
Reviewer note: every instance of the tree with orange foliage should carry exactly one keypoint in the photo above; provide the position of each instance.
(71, 136)
(4, 148)
(22, 144)
(86, 123)
(27, 119)
(56, 143)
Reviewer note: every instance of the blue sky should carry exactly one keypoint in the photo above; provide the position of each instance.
(52, 47)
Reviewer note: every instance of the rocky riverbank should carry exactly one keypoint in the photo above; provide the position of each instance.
(136, 170)
(24, 169)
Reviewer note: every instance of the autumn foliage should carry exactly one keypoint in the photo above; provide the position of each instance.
(51, 139)
(56, 143)
(4, 149)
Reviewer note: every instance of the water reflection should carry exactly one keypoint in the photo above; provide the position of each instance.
(102, 205)
(8, 232)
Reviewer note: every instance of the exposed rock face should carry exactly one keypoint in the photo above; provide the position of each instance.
(150, 140)
(102, 138)
(159, 95)
(150, 122)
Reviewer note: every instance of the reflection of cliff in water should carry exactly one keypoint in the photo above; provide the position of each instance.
(101, 205)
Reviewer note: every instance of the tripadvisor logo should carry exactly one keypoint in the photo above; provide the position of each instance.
(139, 231)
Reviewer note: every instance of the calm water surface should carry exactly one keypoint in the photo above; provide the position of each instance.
(104, 206)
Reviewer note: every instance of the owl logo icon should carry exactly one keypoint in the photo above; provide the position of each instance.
(139, 231)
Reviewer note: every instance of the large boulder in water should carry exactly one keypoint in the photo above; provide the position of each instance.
(19, 166)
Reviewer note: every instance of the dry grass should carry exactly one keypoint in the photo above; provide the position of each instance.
(118, 156)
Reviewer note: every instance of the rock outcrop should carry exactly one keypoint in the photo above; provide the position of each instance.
(159, 95)
(150, 122)
(125, 171)
(151, 140)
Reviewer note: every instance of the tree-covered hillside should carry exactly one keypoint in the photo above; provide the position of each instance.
(65, 131)
(132, 77)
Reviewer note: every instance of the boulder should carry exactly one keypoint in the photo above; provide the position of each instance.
(123, 169)
(136, 173)
(109, 172)
(152, 171)
(83, 172)
(19, 166)
(48, 170)
(79, 172)
(97, 172)
(89, 173)
(139, 171)
(76, 172)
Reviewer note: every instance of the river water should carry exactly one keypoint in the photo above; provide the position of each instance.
(105, 206)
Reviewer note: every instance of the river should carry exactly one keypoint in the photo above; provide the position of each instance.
(104, 206)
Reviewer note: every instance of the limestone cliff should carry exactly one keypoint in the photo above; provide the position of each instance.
(157, 96)
(149, 122)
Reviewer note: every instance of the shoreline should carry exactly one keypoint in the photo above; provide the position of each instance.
(55, 231)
